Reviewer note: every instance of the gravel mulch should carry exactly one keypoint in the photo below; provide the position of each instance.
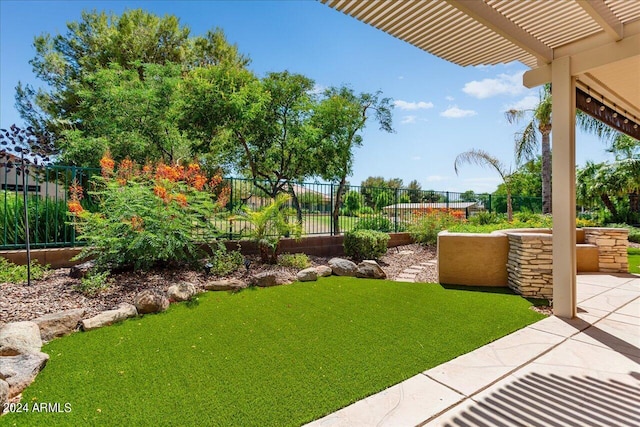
(55, 292)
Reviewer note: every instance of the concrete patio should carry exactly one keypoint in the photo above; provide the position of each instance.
(579, 372)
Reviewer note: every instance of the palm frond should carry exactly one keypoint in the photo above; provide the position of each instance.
(480, 158)
(514, 116)
(526, 143)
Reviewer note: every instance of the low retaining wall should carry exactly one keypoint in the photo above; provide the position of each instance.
(311, 245)
(522, 259)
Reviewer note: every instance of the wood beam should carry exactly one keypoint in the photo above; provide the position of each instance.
(601, 13)
(582, 62)
(494, 20)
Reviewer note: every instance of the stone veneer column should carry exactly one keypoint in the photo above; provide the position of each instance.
(612, 248)
(530, 264)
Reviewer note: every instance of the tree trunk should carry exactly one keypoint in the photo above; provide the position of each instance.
(336, 207)
(509, 207)
(546, 173)
(296, 204)
(607, 202)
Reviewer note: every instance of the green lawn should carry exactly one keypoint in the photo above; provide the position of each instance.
(266, 357)
(634, 260)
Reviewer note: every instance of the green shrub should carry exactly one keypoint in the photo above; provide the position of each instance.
(299, 261)
(366, 210)
(377, 223)
(12, 273)
(223, 261)
(93, 283)
(365, 244)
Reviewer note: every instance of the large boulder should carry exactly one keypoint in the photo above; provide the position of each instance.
(369, 269)
(81, 270)
(20, 371)
(20, 338)
(342, 267)
(181, 292)
(324, 271)
(4, 394)
(58, 324)
(271, 278)
(307, 275)
(150, 301)
(225, 285)
(109, 317)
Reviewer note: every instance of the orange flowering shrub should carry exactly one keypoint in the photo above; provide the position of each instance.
(427, 223)
(148, 214)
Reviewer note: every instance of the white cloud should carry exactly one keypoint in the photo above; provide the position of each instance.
(400, 77)
(436, 178)
(529, 102)
(504, 84)
(408, 119)
(449, 98)
(457, 113)
(405, 105)
(416, 158)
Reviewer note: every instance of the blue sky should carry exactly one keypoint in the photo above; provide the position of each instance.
(441, 109)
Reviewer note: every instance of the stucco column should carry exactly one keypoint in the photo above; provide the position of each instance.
(564, 188)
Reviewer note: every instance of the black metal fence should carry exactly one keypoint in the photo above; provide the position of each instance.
(385, 209)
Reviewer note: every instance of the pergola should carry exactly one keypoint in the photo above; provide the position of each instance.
(589, 50)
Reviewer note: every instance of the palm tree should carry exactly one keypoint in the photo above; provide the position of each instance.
(484, 159)
(526, 141)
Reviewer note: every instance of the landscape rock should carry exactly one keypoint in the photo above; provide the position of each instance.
(342, 267)
(58, 324)
(81, 270)
(150, 301)
(271, 278)
(225, 285)
(124, 311)
(20, 371)
(369, 269)
(182, 292)
(4, 394)
(20, 338)
(307, 275)
(324, 271)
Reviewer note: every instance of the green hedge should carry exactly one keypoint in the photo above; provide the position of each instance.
(365, 244)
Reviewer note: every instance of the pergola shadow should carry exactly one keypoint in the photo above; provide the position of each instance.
(555, 400)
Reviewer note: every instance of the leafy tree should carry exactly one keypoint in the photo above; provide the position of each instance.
(129, 116)
(484, 159)
(353, 201)
(373, 186)
(261, 127)
(340, 116)
(468, 196)
(67, 63)
(414, 190)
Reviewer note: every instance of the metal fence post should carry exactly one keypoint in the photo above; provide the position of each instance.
(331, 213)
(447, 199)
(231, 206)
(489, 203)
(395, 212)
